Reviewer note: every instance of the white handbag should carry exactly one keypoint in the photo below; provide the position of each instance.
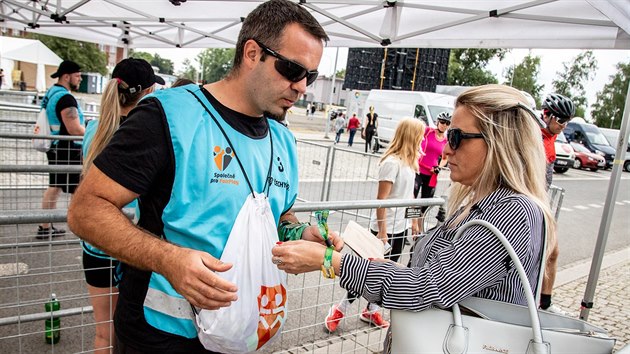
(489, 326)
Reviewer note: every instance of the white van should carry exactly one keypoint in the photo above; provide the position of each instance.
(392, 106)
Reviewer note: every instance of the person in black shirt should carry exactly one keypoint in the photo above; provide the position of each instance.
(65, 118)
(167, 154)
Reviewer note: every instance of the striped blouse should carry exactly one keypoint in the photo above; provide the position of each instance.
(444, 272)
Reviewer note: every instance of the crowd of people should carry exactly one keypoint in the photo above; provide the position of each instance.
(154, 272)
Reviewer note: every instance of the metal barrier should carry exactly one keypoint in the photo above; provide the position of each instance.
(32, 270)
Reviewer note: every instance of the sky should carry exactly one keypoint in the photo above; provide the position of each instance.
(551, 62)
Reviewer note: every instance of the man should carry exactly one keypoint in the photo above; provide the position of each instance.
(193, 155)
(65, 118)
(557, 112)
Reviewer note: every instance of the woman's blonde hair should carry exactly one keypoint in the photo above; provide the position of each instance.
(112, 103)
(516, 156)
(406, 142)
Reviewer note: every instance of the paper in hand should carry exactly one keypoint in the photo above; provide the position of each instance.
(362, 242)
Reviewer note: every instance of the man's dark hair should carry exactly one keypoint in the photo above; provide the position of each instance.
(267, 22)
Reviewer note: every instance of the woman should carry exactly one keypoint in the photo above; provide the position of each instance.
(369, 128)
(396, 172)
(497, 162)
(353, 125)
(432, 159)
(131, 80)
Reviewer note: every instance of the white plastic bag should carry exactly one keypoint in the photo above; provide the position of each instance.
(261, 309)
(42, 128)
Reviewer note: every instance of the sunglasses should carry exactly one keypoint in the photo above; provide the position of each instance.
(456, 135)
(444, 122)
(561, 121)
(291, 70)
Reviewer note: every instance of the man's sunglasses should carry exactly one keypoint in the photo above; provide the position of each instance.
(561, 121)
(456, 135)
(444, 122)
(291, 70)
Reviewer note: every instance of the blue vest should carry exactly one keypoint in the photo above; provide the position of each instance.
(210, 188)
(90, 131)
(49, 103)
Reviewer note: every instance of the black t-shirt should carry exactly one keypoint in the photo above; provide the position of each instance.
(140, 157)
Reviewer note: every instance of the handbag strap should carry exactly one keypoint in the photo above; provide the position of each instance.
(539, 346)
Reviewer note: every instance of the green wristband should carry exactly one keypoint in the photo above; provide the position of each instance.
(328, 271)
(288, 231)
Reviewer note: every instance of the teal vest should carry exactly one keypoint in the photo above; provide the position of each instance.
(49, 103)
(210, 188)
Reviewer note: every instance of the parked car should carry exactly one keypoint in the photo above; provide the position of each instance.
(565, 157)
(591, 137)
(584, 158)
(612, 135)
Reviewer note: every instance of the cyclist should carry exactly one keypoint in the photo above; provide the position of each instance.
(557, 112)
(429, 161)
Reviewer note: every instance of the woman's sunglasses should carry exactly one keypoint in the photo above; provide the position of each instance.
(291, 70)
(456, 135)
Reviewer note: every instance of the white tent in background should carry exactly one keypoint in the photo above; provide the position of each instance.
(35, 61)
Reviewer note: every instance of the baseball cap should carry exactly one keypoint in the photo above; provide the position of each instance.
(137, 74)
(66, 67)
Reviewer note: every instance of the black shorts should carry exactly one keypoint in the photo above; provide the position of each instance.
(100, 272)
(64, 153)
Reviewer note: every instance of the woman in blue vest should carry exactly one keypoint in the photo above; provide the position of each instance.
(131, 80)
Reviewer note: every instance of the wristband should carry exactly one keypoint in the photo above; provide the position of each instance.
(322, 225)
(288, 231)
(328, 271)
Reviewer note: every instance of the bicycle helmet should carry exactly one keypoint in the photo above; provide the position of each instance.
(559, 106)
(444, 116)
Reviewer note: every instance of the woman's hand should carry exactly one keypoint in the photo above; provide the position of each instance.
(312, 234)
(297, 257)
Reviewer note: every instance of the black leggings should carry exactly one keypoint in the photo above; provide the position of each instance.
(398, 242)
(369, 134)
(422, 185)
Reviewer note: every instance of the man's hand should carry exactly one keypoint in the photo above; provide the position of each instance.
(192, 275)
(311, 233)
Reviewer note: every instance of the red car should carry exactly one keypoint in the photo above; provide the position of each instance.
(584, 158)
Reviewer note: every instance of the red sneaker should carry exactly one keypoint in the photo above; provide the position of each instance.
(374, 318)
(333, 318)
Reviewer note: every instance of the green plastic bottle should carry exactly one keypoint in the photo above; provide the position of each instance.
(53, 324)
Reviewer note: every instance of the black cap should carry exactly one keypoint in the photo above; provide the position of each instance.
(137, 74)
(66, 67)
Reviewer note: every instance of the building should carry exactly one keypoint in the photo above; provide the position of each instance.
(319, 92)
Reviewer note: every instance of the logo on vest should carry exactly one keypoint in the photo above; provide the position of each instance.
(222, 157)
(272, 303)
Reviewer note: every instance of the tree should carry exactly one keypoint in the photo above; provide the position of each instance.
(524, 76)
(87, 55)
(214, 65)
(467, 67)
(571, 79)
(165, 66)
(609, 103)
(340, 74)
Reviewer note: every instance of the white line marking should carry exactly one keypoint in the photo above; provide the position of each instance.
(7, 269)
(595, 205)
(566, 209)
(581, 207)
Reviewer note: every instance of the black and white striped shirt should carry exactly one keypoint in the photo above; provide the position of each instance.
(444, 272)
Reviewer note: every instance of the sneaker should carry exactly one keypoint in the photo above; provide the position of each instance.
(333, 318)
(45, 233)
(557, 310)
(374, 318)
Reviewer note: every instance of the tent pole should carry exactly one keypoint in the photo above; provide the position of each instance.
(330, 98)
(609, 208)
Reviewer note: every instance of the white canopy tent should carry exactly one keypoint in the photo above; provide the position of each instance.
(583, 24)
(44, 61)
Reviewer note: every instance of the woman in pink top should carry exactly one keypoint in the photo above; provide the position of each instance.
(432, 148)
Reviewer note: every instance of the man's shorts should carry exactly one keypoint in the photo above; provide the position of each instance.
(100, 272)
(64, 154)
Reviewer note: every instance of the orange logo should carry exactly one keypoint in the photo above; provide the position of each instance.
(272, 303)
(222, 157)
